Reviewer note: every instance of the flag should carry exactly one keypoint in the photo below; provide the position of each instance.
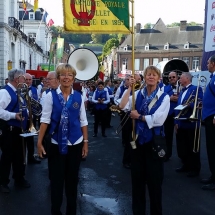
(98, 16)
(52, 51)
(47, 19)
(60, 47)
(24, 5)
(35, 5)
(209, 33)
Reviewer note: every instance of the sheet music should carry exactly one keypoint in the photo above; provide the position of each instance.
(28, 134)
(180, 107)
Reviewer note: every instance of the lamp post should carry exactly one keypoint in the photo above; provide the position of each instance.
(9, 65)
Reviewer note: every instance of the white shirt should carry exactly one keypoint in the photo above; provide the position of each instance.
(159, 116)
(42, 99)
(104, 102)
(5, 100)
(47, 111)
(116, 97)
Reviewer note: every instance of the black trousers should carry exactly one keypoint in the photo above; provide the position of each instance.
(210, 144)
(127, 136)
(100, 116)
(108, 117)
(12, 154)
(63, 170)
(30, 147)
(185, 146)
(145, 170)
(169, 130)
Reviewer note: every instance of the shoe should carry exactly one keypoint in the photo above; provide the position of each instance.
(5, 189)
(210, 186)
(34, 161)
(95, 135)
(103, 135)
(192, 174)
(207, 181)
(22, 184)
(127, 166)
(181, 169)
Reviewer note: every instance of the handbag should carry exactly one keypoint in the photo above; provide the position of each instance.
(159, 145)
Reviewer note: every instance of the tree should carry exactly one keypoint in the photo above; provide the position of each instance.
(148, 26)
(109, 45)
(97, 38)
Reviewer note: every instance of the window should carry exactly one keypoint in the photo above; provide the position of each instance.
(166, 46)
(126, 48)
(31, 16)
(145, 63)
(186, 60)
(186, 45)
(137, 64)
(165, 59)
(195, 63)
(32, 35)
(124, 64)
(155, 61)
(147, 47)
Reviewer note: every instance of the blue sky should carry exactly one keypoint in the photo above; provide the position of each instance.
(146, 11)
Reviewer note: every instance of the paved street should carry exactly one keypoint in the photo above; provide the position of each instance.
(105, 186)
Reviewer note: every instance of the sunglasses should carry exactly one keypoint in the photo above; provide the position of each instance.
(171, 77)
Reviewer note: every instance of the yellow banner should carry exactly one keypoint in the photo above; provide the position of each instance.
(96, 16)
(35, 5)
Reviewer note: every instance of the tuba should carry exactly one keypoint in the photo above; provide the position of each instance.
(85, 63)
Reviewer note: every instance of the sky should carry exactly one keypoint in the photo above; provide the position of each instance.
(146, 11)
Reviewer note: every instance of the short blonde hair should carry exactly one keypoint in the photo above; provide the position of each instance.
(65, 67)
(153, 68)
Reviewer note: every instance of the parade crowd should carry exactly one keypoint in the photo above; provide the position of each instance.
(150, 113)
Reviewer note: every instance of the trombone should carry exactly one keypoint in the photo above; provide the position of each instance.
(122, 123)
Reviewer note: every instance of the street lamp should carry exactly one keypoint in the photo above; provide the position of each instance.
(9, 65)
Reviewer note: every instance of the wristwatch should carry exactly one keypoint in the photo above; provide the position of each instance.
(140, 117)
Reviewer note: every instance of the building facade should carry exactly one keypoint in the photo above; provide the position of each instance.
(25, 39)
(162, 43)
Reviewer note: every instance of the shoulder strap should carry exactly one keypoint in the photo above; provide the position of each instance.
(154, 100)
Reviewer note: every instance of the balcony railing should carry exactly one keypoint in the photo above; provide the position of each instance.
(14, 23)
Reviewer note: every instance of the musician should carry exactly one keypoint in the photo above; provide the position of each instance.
(12, 144)
(30, 140)
(52, 83)
(107, 87)
(186, 130)
(145, 169)
(64, 112)
(172, 90)
(208, 115)
(100, 98)
(5, 82)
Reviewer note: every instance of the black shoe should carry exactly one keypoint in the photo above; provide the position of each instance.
(5, 189)
(182, 169)
(22, 183)
(95, 135)
(210, 186)
(103, 135)
(207, 181)
(34, 161)
(192, 174)
(127, 166)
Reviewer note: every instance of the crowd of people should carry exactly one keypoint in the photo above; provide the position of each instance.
(157, 110)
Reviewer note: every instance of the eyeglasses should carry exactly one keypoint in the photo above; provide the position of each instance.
(28, 79)
(66, 75)
(170, 77)
(49, 79)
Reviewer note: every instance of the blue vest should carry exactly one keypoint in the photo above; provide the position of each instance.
(169, 91)
(14, 104)
(75, 131)
(188, 111)
(122, 89)
(34, 94)
(102, 94)
(208, 100)
(147, 131)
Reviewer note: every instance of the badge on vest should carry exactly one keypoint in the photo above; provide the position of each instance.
(75, 105)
